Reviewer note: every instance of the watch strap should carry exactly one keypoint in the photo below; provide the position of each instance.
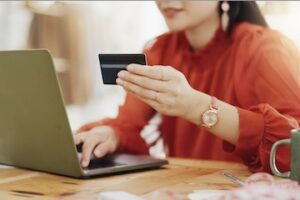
(213, 108)
(214, 104)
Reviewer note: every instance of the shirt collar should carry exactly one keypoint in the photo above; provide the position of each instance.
(219, 40)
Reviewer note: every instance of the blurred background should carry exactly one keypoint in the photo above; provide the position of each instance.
(76, 31)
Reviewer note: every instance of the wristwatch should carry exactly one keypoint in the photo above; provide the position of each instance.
(210, 116)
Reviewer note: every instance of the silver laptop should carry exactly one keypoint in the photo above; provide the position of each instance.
(34, 128)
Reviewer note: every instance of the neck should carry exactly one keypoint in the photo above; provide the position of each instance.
(200, 35)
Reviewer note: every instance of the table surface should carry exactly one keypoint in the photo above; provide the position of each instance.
(181, 175)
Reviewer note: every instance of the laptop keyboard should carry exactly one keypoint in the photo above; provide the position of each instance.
(106, 161)
(103, 163)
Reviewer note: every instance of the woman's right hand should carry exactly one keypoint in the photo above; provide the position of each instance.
(98, 141)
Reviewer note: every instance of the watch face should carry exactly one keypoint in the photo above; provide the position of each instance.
(210, 118)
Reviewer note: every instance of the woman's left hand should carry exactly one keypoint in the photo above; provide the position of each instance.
(163, 88)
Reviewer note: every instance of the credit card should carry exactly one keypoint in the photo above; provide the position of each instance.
(112, 64)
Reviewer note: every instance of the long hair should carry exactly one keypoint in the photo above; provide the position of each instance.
(243, 11)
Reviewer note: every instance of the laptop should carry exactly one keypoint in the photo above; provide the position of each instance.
(34, 129)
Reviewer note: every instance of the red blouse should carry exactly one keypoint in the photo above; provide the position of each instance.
(255, 69)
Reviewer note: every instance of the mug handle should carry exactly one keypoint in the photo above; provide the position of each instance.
(273, 166)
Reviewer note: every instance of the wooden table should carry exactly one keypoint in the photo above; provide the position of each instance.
(181, 175)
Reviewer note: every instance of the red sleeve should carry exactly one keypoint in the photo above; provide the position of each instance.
(131, 119)
(134, 114)
(268, 89)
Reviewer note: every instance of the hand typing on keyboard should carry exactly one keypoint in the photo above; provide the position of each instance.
(96, 142)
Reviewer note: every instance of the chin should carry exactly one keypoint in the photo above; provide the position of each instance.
(175, 26)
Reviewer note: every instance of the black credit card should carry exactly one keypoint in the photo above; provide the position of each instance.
(112, 64)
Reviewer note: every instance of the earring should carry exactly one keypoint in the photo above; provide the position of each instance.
(225, 17)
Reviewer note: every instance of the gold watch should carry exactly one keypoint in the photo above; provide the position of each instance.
(210, 116)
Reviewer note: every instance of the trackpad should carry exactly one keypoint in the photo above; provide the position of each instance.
(104, 162)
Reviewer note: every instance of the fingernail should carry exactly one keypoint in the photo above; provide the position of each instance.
(84, 163)
(97, 153)
(130, 67)
(119, 81)
(121, 74)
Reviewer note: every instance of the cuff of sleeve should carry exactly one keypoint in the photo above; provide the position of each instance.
(94, 124)
(251, 129)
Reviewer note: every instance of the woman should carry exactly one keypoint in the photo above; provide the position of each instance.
(227, 88)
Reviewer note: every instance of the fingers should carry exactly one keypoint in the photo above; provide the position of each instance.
(145, 82)
(102, 149)
(87, 149)
(155, 72)
(145, 94)
(80, 137)
(153, 104)
(98, 141)
(137, 90)
(162, 105)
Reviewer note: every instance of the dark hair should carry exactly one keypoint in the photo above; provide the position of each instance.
(243, 11)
